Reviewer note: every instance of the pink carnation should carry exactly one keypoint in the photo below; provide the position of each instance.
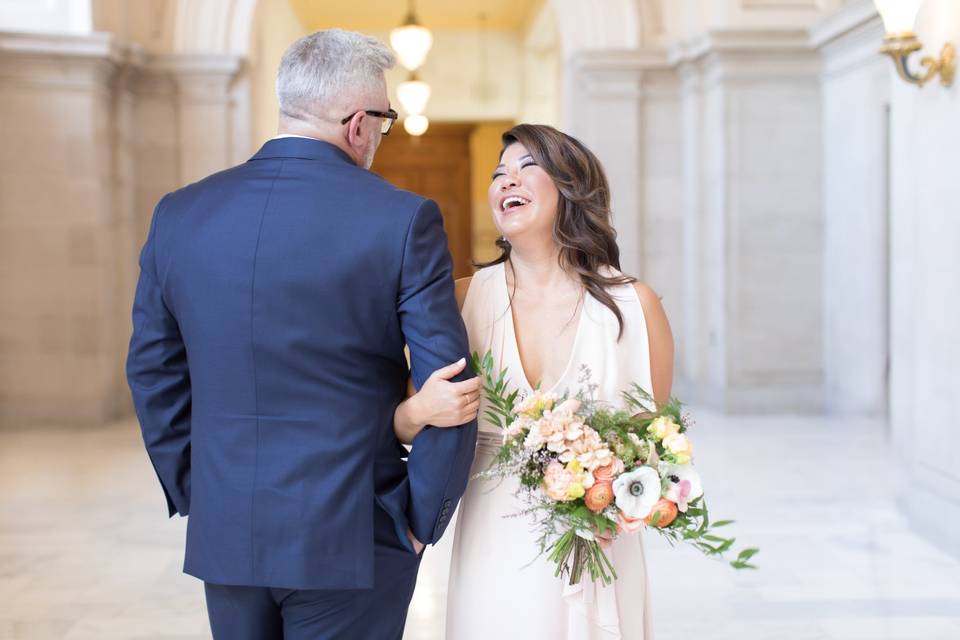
(556, 481)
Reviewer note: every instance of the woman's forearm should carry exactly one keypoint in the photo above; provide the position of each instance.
(406, 422)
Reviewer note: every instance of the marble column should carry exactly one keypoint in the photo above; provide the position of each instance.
(622, 105)
(752, 221)
(60, 263)
(856, 99)
(206, 111)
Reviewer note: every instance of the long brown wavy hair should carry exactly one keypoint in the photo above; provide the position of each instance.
(583, 229)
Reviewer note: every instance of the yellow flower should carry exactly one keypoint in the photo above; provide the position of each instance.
(574, 466)
(534, 405)
(575, 490)
(679, 446)
(663, 427)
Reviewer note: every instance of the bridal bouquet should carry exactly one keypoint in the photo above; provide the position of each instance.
(589, 474)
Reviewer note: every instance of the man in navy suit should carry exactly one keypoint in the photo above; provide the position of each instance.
(267, 359)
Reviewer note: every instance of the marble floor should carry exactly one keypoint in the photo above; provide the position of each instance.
(86, 551)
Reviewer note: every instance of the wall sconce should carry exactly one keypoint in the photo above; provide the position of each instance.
(899, 18)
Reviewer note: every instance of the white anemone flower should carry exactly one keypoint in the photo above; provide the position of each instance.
(637, 492)
(681, 484)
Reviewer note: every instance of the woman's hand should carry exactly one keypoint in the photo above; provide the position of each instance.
(439, 403)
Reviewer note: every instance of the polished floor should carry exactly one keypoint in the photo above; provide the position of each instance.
(86, 551)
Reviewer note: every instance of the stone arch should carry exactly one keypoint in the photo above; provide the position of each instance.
(590, 26)
(214, 26)
(224, 26)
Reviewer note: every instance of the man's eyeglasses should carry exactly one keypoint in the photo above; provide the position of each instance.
(389, 117)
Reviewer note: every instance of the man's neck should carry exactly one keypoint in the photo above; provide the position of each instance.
(290, 127)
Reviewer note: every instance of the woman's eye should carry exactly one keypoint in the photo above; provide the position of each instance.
(498, 175)
(528, 164)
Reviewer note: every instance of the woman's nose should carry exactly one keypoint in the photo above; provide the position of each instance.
(509, 181)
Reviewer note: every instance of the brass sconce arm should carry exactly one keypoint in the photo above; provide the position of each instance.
(900, 46)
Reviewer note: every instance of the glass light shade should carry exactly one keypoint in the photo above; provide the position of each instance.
(412, 43)
(899, 16)
(413, 95)
(416, 125)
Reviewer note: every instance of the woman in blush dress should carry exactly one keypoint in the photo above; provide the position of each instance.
(552, 303)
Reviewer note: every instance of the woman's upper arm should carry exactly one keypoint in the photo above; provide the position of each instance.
(462, 285)
(661, 342)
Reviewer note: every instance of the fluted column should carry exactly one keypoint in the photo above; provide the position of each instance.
(620, 104)
(752, 221)
(206, 111)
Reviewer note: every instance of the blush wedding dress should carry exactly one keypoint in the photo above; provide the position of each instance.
(498, 587)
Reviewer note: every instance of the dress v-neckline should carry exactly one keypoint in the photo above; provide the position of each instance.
(512, 336)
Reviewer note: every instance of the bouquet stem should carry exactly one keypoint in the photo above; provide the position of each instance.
(573, 554)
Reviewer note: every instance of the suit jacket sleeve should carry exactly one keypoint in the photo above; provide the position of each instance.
(439, 462)
(160, 381)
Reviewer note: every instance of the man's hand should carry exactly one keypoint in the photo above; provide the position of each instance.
(417, 545)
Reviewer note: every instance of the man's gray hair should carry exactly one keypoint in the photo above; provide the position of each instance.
(330, 69)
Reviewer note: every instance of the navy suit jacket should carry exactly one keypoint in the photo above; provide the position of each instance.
(267, 359)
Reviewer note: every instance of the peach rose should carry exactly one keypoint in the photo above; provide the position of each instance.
(667, 511)
(599, 496)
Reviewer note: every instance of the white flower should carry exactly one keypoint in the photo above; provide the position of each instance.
(681, 484)
(637, 492)
(534, 439)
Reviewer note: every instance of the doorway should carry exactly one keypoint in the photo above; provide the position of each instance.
(436, 165)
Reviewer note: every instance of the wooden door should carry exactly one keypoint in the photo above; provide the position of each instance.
(435, 165)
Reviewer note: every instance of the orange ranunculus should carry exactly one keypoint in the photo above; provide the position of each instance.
(599, 496)
(667, 511)
(609, 472)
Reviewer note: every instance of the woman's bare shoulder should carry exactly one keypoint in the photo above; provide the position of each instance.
(660, 341)
(648, 297)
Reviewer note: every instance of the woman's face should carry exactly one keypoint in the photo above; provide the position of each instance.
(523, 197)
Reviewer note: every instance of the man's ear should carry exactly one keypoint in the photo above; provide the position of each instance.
(355, 130)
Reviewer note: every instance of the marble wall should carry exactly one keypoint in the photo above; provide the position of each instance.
(925, 288)
(856, 133)
(95, 132)
(752, 222)
(65, 227)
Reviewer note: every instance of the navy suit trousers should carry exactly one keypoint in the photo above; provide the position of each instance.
(264, 613)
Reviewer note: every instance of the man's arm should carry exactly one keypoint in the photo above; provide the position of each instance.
(439, 463)
(160, 381)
